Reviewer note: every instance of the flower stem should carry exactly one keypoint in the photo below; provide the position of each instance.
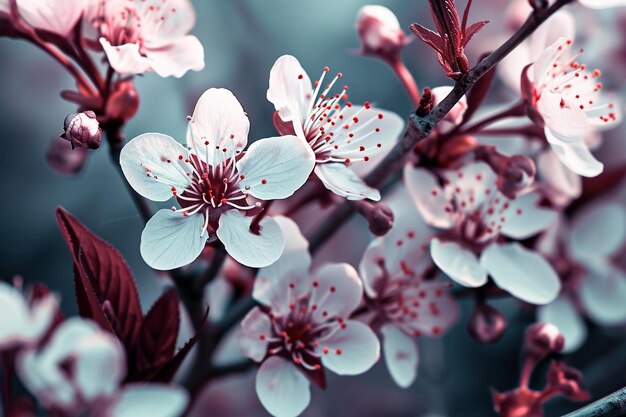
(612, 405)
(407, 80)
(516, 110)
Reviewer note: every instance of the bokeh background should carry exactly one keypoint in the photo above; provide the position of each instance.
(242, 39)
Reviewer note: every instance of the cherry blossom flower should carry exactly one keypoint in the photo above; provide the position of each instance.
(213, 182)
(568, 103)
(303, 327)
(340, 134)
(149, 35)
(56, 16)
(405, 303)
(23, 323)
(79, 370)
(474, 217)
(592, 284)
(380, 32)
(602, 4)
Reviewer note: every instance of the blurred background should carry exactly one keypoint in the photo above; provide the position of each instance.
(242, 39)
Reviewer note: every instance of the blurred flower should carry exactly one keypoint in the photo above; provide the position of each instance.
(593, 284)
(212, 182)
(404, 303)
(486, 324)
(455, 115)
(602, 4)
(152, 35)
(565, 99)
(303, 327)
(338, 134)
(380, 32)
(542, 339)
(65, 160)
(78, 371)
(82, 130)
(472, 214)
(24, 323)
(452, 36)
(56, 16)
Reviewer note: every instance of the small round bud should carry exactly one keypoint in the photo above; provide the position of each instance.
(65, 160)
(123, 102)
(543, 339)
(516, 175)
(380, 32)
(378, 215)
(486, 324)
(82, 130)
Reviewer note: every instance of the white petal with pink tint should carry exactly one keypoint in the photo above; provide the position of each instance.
(602, 4)
(282, 389)
(598, 231)
(171, 240)
(256, 327)
(575, 155)
(455, 116)
(338, 292)
(341, 180)
(57, 16)
(523, 273)
(176, 57)
(401, 356)
(370, 268)
(458, 263)
(603, 292)
(179, 19)
(150, 400)
(563, 314)
(248, 248)
(524, 217)
(219, 119)
(351, 350)
(125, 59)
(429, 197)
(290, 90)
(555, 174)
(144, 161)
(274, 168)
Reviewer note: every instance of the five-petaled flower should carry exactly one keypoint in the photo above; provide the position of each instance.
(149, 35)
(340, 135)
(214, 182)
(566, 100)
(303, 327)
(474, 217)
(405, 300)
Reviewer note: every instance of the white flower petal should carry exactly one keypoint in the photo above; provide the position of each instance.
(146, 157)
(458, 263)
(341, 180)
(179, 19)
(275, 168)
(256, 327)
(219, 119)
(100, 365)
(338, 291)
(282, 389)
(176, 57)
(370, 269)
(428, 196)
(255, 251)
(562, 313)
(575, 155)
(524, 218)
(151, 400)
(602, 4)
(58, 16)
(603, 292)
(598, 231)
(554, 173)
(523, 273)
(171, 240)
(400, 351)
(126, 58)
(290, 90)
(351, 350)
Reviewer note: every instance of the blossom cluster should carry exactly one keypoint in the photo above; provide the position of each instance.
(469, 197)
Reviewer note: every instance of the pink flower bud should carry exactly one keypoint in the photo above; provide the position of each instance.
(486, 325)
(65, 160)
(567, 380)
(543, 339)
(380, 32)
(82, 130)
(517, 174)
(378, 215)
(123, 102)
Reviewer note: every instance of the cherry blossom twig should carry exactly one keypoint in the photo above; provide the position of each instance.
(420, 127)
(612, 405)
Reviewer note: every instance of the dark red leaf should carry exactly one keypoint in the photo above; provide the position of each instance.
(472, 30)
(102, 276)
(428, 36)
(157, 338)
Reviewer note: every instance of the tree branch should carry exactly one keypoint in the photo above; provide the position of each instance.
(612, 405)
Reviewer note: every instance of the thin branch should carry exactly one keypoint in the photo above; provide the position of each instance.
(612, 405)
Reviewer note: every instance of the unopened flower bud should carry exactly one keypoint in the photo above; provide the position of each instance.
(378, 215)
(486, 325)
(543, 339)
(567, 380)
(123, 103)
(427, 102)
(516, 176)
(82, 130)
(65, 160)
(380, 32)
